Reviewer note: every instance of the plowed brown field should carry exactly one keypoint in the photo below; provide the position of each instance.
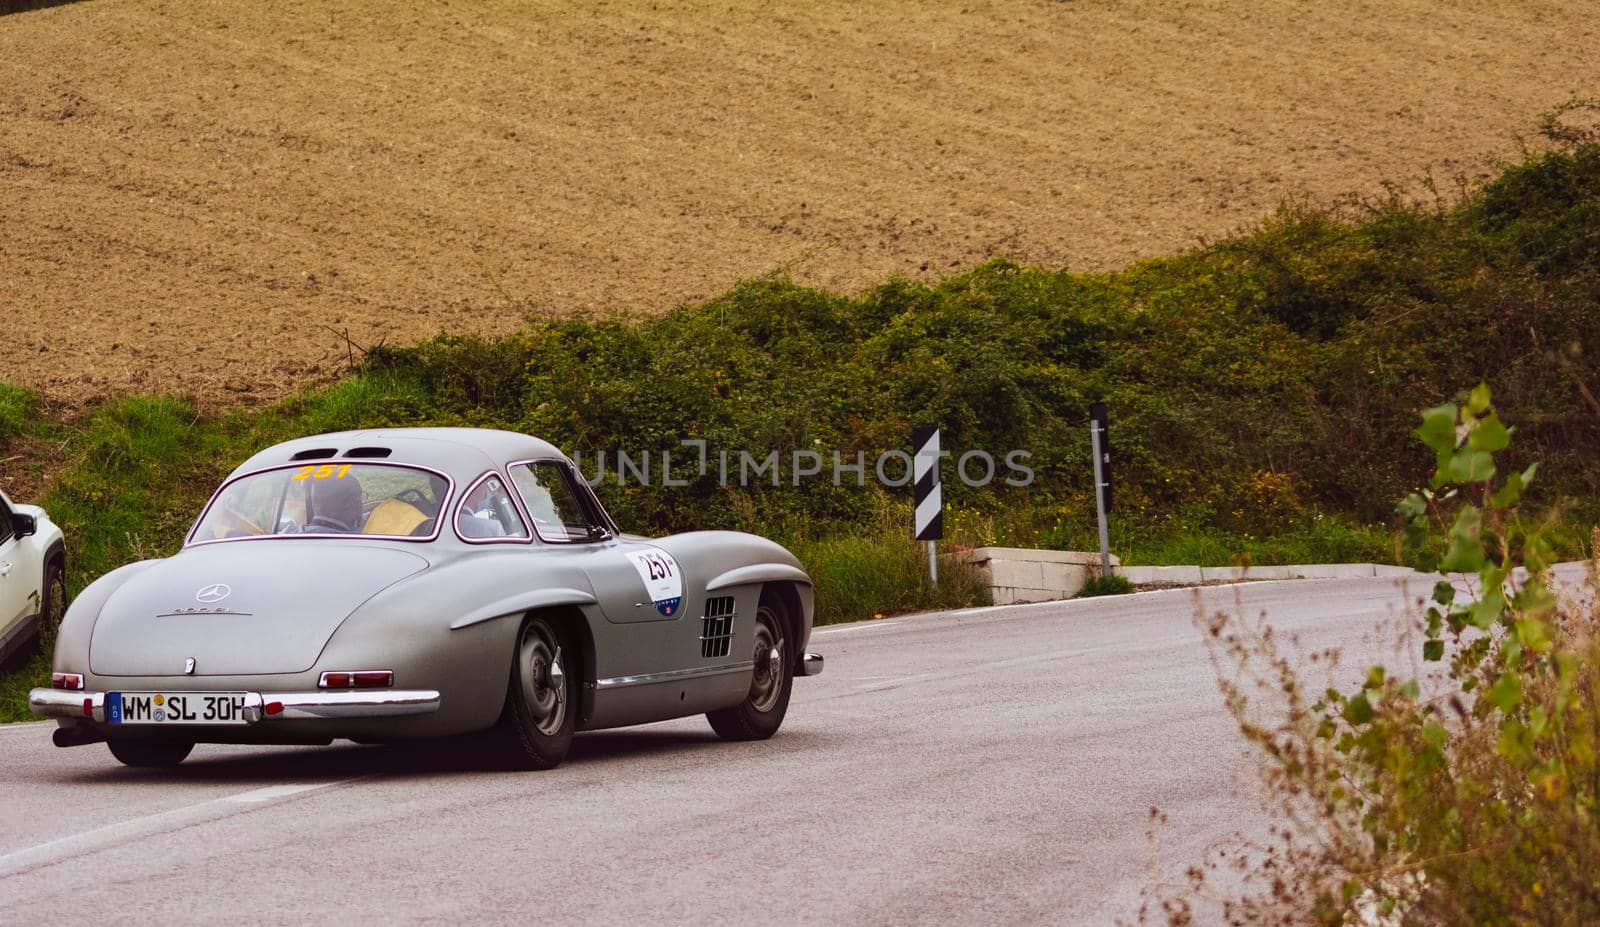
(195, 195)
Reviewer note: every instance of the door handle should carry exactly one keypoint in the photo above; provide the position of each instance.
(5, 569)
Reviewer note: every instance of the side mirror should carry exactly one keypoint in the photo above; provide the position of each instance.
(23, 525)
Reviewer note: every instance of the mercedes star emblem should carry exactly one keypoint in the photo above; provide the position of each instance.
(215, 592)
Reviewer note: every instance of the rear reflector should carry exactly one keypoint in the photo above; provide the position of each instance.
(88, 708)
(273, 708)
(66, 681)
(361, 679)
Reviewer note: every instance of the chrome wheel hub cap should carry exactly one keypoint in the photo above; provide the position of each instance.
(544, 680)
(766, 686)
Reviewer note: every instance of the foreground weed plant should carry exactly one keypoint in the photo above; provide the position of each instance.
(1105, 585)
(1465, 796)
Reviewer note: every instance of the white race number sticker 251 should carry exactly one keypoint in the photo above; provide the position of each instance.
(662, 579)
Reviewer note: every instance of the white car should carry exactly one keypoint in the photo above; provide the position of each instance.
(33, 577)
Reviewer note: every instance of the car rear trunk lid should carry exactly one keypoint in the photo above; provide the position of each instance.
(241, 607)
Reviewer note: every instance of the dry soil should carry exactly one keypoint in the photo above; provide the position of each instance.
(200, 196)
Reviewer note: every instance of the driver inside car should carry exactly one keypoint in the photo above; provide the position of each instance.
(483, 512)
(335, 507)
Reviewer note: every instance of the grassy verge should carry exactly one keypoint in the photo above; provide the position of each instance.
(884, 574)
(1183, 538)
(14, 688)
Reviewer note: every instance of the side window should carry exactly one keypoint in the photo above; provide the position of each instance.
(488, 513)
(559, 513)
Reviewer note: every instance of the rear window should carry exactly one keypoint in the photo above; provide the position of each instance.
(326, 500)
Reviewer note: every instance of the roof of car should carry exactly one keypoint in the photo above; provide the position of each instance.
(460, 452)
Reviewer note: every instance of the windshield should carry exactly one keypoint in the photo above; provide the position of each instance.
(326, 500)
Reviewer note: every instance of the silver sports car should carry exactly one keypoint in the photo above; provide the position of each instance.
(411, 583)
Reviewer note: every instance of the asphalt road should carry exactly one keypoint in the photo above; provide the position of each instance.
(995, 765)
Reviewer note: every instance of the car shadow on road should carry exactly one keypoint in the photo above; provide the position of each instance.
(277, 765)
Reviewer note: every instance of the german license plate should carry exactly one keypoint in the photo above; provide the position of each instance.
(175, 708)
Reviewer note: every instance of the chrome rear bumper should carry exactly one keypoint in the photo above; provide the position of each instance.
(261, 706)
(811, 664)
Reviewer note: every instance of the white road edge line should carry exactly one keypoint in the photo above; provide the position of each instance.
(24, 727)
(271, 792)
(76, 846)
(874, 624)
(880, 683)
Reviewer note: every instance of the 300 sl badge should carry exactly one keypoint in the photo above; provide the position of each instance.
(661, 579)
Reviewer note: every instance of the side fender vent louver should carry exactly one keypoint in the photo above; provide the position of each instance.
(716, 636)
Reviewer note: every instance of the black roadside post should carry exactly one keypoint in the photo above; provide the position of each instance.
(929, 503)
(1100, 447)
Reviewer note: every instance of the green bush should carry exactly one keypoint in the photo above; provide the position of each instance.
(1105, 585)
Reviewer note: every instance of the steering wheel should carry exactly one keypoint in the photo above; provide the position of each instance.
(249, 523)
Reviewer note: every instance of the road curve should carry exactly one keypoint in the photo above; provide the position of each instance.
(986, 765)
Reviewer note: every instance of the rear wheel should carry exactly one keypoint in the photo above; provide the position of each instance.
(761, 713)
(54, 606)
(541, 700)
(155, 753)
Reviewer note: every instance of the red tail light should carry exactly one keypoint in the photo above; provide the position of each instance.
(66, 681)
(361, 679)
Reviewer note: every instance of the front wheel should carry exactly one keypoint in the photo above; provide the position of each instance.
(149, 753)
(539, 718)
(761, 713)
(54, 606)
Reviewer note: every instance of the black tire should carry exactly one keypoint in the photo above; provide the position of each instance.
(53, 606)
(536, 726)
(761, 713)
(149, 753)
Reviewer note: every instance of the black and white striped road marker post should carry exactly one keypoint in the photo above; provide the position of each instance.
(929, 501)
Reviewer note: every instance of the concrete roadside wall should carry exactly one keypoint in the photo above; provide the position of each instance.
(1019, 574)
(1186, 575)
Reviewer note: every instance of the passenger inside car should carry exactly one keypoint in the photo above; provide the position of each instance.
(488, 512)
(335, 507)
